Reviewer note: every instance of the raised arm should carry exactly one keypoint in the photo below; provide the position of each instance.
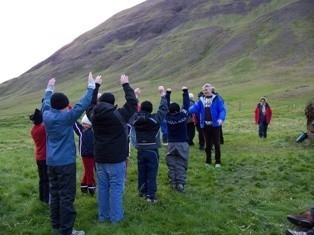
(50, 88)
(130, 107)
(81, 106)
(186, 101)
(163, 106)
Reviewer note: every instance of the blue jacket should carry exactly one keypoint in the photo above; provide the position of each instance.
(217, 108)
(61, 149)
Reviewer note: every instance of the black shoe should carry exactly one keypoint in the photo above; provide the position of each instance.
(91, 190)
(84, 188)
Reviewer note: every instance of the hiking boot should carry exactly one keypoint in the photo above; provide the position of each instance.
(304, 220)
(292, 232)
(75, 232)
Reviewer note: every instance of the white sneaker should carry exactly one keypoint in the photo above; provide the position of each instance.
(217, 166)
(75, 232)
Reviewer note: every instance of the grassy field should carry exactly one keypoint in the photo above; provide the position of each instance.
(260, 182)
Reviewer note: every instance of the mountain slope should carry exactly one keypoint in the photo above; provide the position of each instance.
(233, 44)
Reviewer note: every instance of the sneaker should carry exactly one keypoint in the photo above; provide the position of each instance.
(304, 220)
(84, 188)
(75, 232)
(292, 232)
(180, 188)
(91, 190)
(217, 165)
(151, 200)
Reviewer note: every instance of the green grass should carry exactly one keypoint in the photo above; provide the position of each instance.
(261, 181)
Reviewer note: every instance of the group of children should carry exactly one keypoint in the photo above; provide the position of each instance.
(147, 141)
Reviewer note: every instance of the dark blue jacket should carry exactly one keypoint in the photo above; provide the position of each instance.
(86, 140)
(147, 126)
(176, 123)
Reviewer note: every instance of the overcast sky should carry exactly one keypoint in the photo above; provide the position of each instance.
(32, 30)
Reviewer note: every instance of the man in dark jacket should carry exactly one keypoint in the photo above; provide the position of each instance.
(111, 148)
(147, 127)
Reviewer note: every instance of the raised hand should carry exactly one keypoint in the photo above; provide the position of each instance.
(91, 81)
(124, 79)
(137, 92)
(161, 90)
(184, 88)
(98, 80)
(51, 84)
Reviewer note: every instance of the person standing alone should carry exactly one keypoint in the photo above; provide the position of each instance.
(263, 115)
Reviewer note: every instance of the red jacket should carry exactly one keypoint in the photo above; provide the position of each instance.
(38, 133)
(258, 113)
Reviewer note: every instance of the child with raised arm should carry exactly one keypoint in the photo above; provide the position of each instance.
(177, 156)
(61, 154)
(147, 127)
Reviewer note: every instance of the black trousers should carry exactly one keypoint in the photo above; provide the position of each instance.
(201, 139)
(212, 137)
(191, 133)
(43, 181)
(62, 185)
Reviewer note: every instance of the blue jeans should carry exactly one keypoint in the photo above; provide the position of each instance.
(147, 164)
(110, 191)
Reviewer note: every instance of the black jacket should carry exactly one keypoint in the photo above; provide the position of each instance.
(110, 127)
(147, 126)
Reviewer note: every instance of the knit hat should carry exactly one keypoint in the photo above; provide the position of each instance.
(107, 97)
(263, 98)
(37, 117)
(59, 101)
(174, 107)
(85, 120)
(147, 106)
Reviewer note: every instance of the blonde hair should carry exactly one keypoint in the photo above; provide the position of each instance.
(207, 85)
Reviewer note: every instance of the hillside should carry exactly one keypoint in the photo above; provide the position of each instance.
(242, 47)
